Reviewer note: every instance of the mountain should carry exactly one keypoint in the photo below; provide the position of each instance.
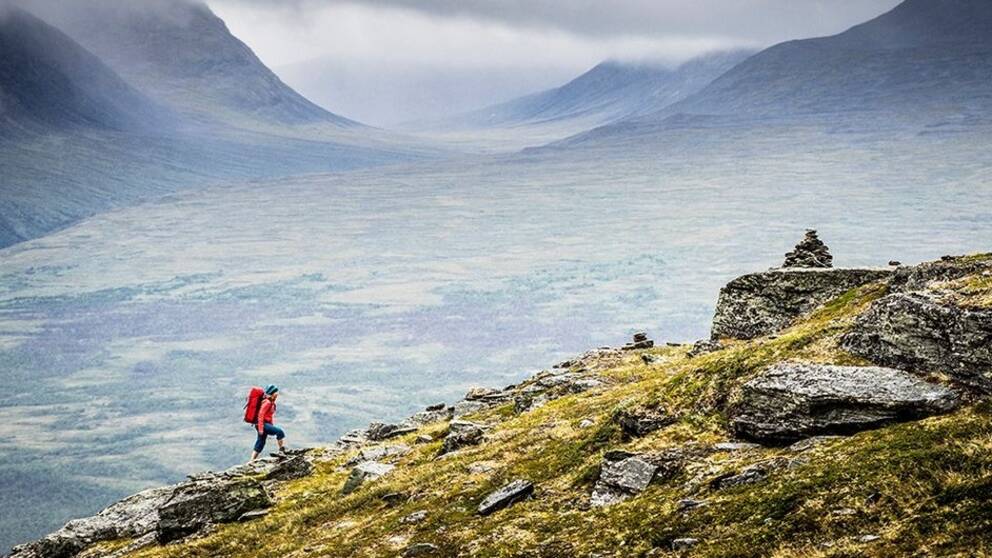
(926, 64)
(835, 412)
(182, 55)
(48, 81)
(160, 96)
(610, 91)
(923, 55)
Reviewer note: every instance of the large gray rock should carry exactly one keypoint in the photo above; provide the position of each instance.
(379, 431)
(641, 421)
(462, 434)
(365, 472)
(198, 503)
(948, 268)
(507, 496)
(132, 517)
(379, 453)
(622, 476)
(792, 401)
(763, 303)
(918, 331)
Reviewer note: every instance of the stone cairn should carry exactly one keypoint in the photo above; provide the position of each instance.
(810, 253)
(640, 341)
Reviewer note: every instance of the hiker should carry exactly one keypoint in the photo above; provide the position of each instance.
(264, 425)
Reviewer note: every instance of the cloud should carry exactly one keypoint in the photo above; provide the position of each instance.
(763, 21)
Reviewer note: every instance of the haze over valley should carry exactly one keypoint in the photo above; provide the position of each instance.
(177, 222)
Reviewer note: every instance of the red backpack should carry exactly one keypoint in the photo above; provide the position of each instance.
(255, 395)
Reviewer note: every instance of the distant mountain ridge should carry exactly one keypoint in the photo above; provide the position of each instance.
(924, 54)
(182, 54)
(48, 81)
(609, 91)
(925, 63)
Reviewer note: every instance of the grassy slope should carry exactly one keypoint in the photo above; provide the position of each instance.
(922, 487)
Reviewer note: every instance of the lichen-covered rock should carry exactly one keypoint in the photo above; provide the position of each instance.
(420, 549)
(637, 422)
(763, 303)
(198, 503)
(132, 517)
(379, 453)
(462, 434)
(792, 401)
(56, 545)
(379, 431)
(811, 252)
(463, 408)
(505, 497)
(948, 268)
(750, 475)
(364, 472)
(919, 331)
(621, 476)
(434, 413)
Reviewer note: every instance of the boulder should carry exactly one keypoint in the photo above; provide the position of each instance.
(462, 434)
(480, 394)
(703, 347)
(919, 277)
(763, 303)
(364, 472)
(420, 549)
(432, 414)
(463, 408)
(621, 476)
(642, 421)
(792, 401)
(291, 468)
(56, 545)
(379, 431)
(198, 503)
(132, 517)
(811, 252)
(505, 497)
(921, 332)
(750, 475)
(379, 453)
(414, 518)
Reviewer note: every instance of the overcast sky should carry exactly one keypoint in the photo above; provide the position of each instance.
(384, 61)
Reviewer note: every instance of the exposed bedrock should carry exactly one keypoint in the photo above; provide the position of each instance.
(919, 331)
(762, 303)
(792, 401)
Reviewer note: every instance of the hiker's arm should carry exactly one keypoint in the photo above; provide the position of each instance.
(260, 426)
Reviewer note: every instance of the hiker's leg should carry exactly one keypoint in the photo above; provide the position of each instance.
(274, 430)
(259, 445)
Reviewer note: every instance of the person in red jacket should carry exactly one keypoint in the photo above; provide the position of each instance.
(265, 426)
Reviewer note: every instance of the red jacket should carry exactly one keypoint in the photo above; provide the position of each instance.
(266, 414)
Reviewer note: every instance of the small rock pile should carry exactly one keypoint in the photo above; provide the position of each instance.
(811, 252)
(640, 341)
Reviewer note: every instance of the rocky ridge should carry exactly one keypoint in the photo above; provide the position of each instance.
(699, 427)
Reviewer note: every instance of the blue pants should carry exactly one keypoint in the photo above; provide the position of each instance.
(269, 430)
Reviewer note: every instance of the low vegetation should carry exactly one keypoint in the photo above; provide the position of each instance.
(915, 489)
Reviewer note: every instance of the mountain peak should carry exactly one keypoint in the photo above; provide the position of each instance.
(917, 23)
(181, 53)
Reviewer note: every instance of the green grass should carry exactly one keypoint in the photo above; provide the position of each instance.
(922, 487)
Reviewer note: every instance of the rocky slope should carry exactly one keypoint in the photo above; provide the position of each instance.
(859, 427)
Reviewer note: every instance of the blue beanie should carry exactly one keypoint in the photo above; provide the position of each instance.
(271, 389)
